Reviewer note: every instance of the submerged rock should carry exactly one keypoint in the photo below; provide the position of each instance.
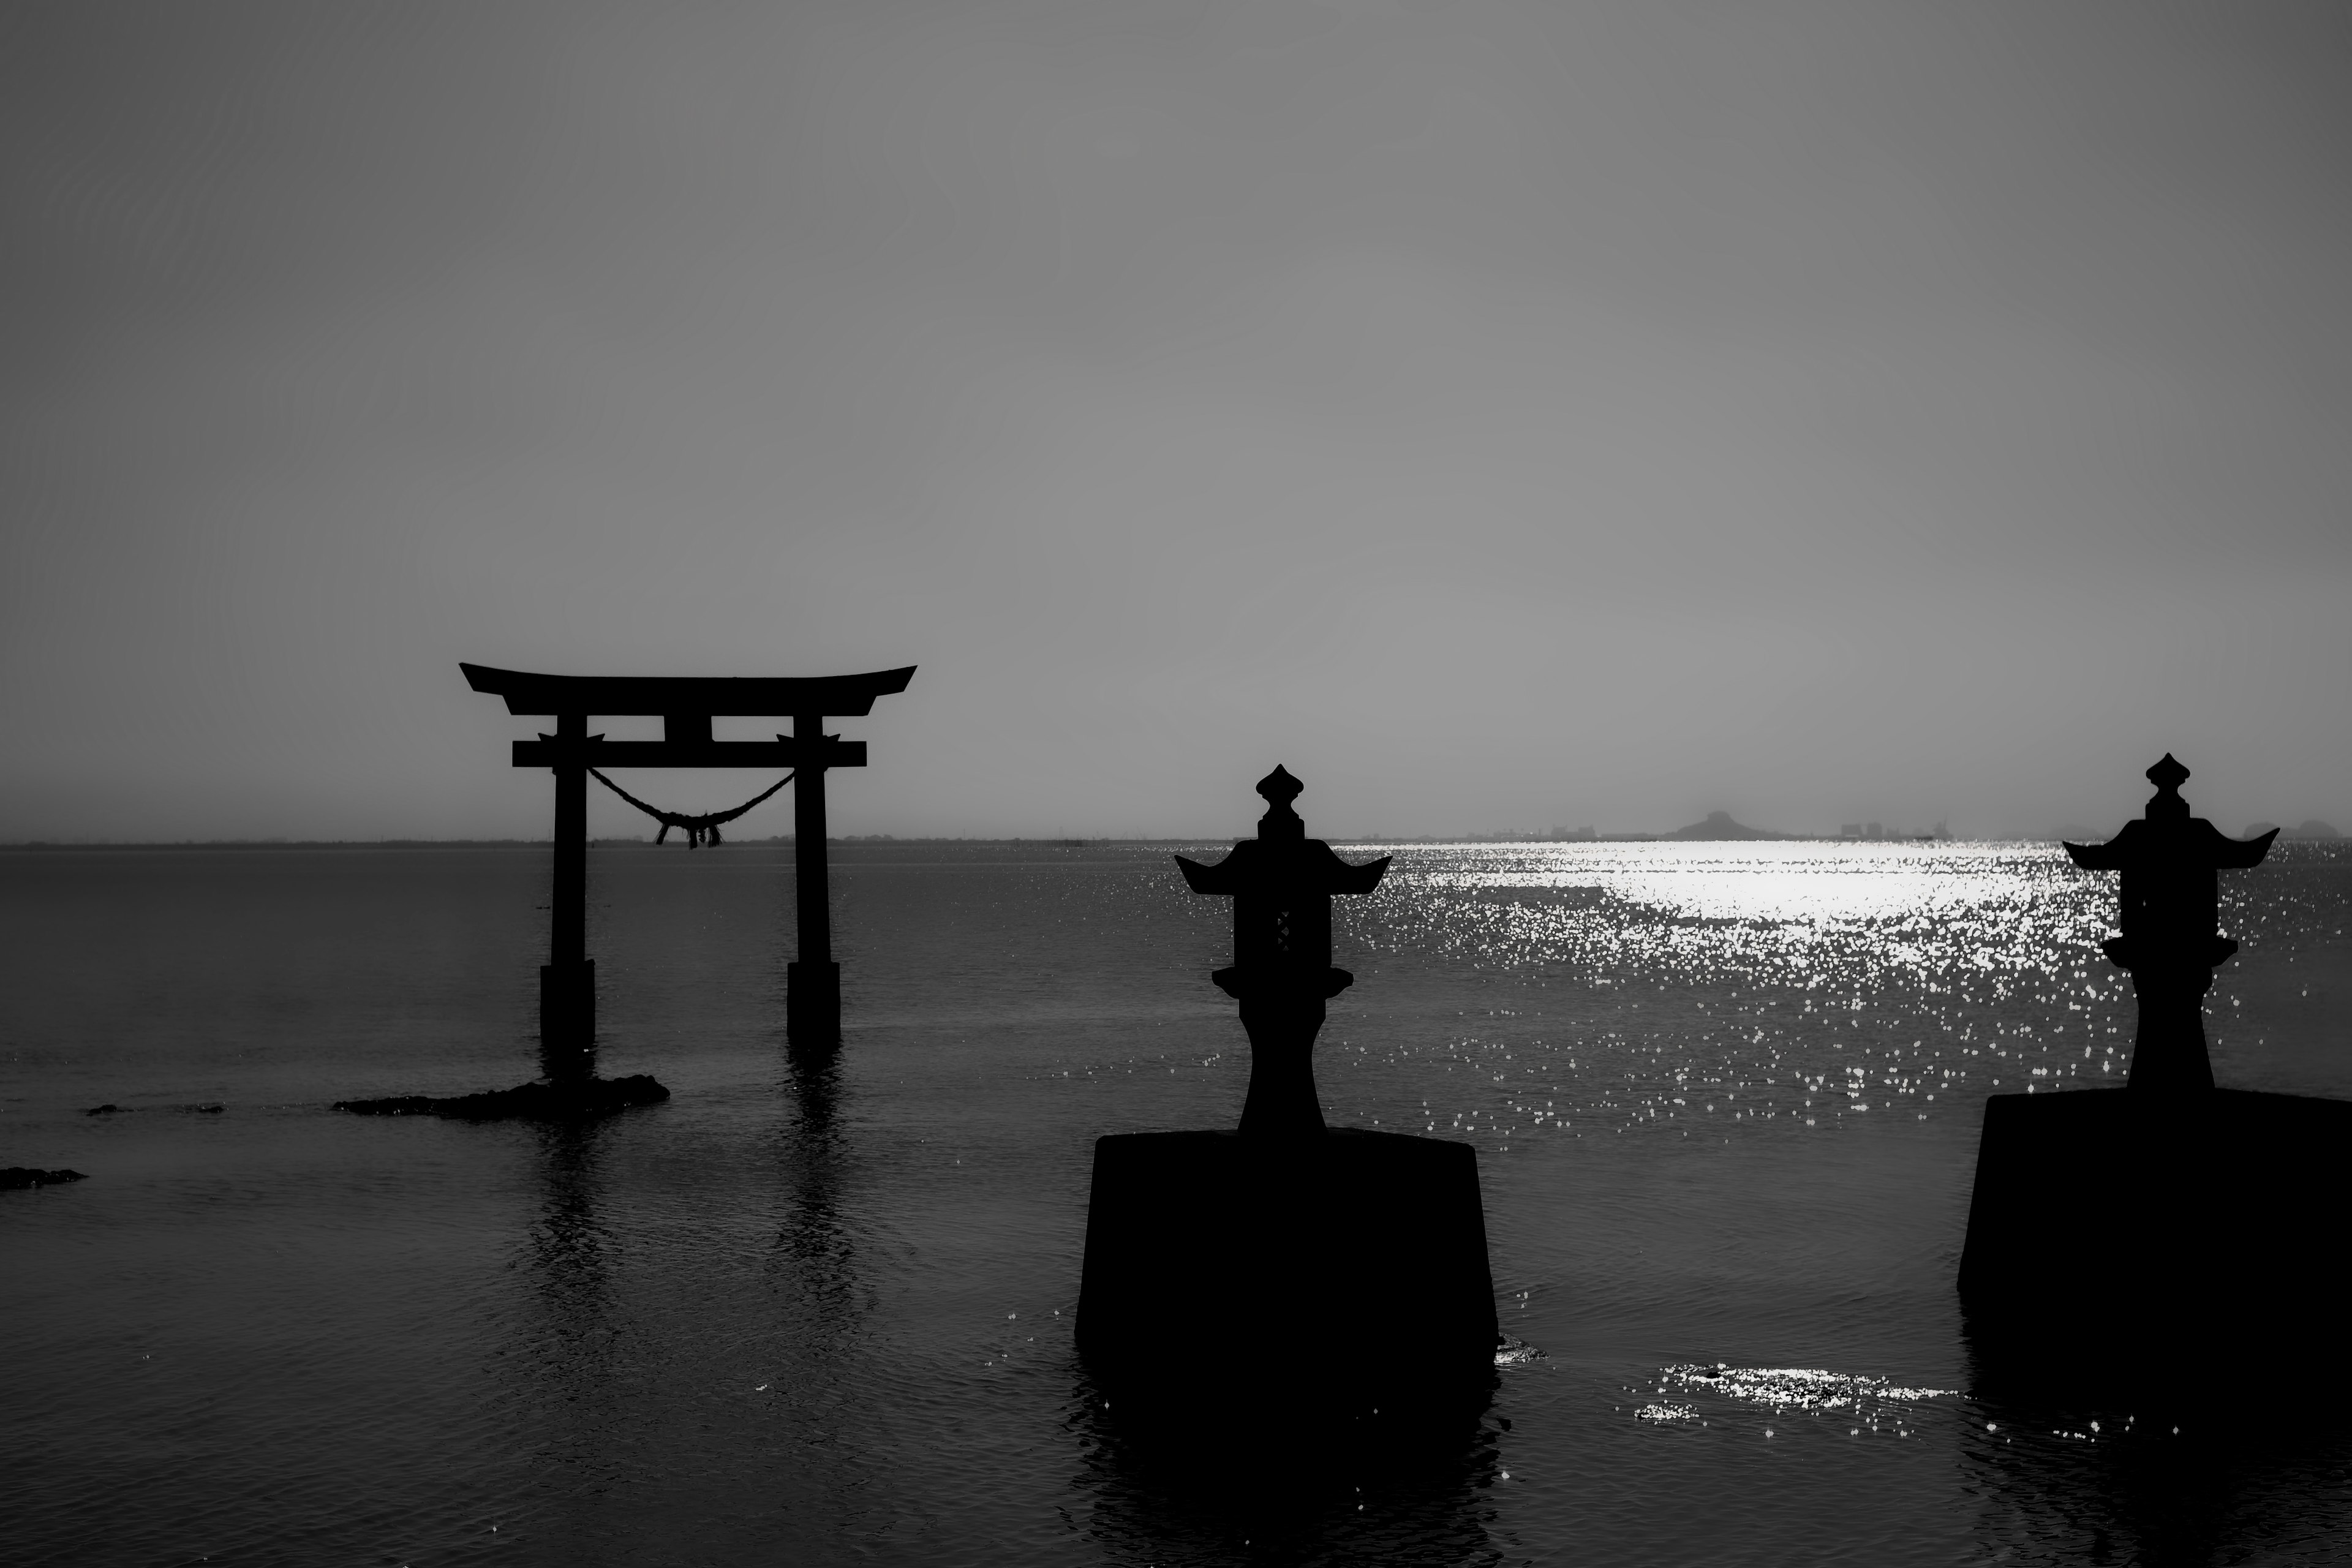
(15, 1176)
(539, 1101)
(109, 1108)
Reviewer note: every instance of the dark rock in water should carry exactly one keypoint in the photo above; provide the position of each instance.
(537, 1102)
(16, 1176)
(205, 1109)
(109, 1108)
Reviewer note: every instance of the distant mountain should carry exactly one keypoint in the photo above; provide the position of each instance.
(2315, 828)
(1718, 827)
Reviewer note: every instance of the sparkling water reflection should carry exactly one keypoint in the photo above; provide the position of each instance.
(1725, 1098)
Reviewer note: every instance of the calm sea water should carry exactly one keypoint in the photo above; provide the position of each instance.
(1725, 1100)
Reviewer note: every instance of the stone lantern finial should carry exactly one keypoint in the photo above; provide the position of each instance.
(1281, 819)
(2168, 776)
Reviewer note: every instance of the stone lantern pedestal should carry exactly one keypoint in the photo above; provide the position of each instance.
(1360, 1262)
(1351, 1260)
(2140, 1222)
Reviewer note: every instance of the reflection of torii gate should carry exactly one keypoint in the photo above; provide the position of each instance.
(686, 704)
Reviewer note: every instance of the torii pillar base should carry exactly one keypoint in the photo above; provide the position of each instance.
(567, 1019)
(813, 1005)
(1219, 1264)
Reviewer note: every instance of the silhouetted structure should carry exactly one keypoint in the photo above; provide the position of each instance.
(2211, 1203)
(1281, 883)
(686, 705)
(2172, 940)
(1216, 1256)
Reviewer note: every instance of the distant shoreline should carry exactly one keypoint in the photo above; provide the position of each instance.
(200, 845)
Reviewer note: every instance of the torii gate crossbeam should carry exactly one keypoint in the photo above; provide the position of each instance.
(686, 705)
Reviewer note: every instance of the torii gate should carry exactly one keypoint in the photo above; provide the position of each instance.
(686, 705)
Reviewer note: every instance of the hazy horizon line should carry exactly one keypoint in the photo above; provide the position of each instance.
(2059, 835)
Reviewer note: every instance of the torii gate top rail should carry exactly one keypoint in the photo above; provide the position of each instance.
(687, 704)
(835, 696)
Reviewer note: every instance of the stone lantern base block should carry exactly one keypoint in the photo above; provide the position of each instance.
(2116, 1215)
(1355, 1259)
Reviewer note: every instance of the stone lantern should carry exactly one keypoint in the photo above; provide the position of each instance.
(1281, 883)
(2171, 941)
(2130, 1241)
(1213, 1257)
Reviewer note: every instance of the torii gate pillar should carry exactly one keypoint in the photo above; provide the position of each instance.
(567, 981)
(812, 984)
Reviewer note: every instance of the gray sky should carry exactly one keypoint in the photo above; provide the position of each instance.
(1502, 415)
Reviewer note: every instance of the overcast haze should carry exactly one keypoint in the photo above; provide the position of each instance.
(1504, 416)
